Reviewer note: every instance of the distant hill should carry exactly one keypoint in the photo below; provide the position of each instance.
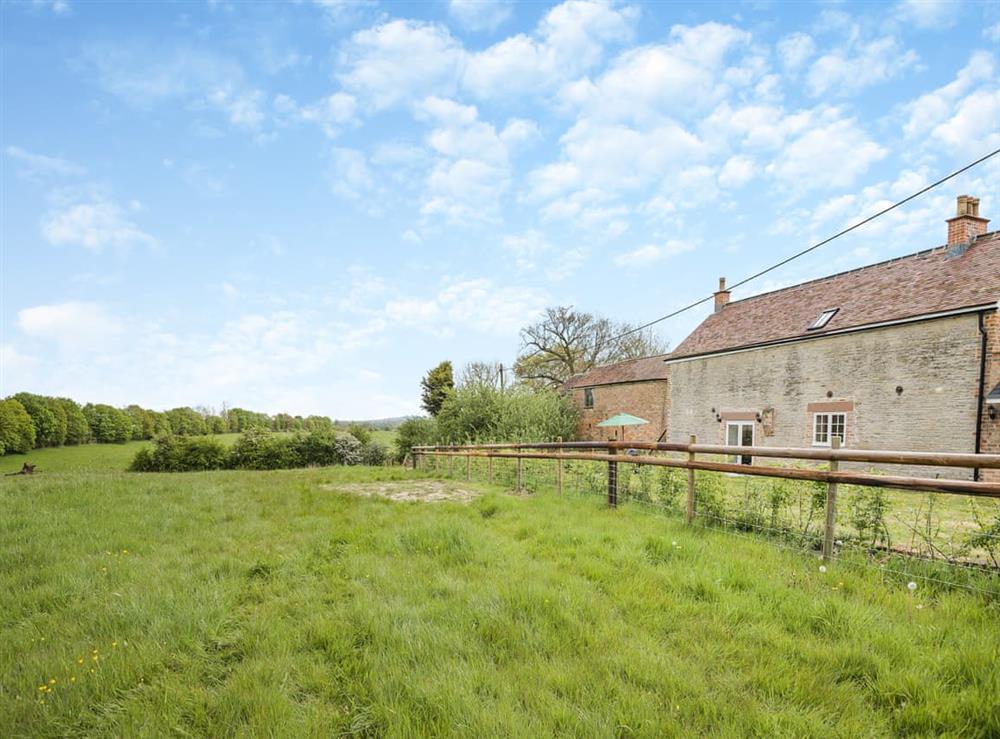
(377, 423)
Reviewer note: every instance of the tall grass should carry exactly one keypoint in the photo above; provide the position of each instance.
(267, 603)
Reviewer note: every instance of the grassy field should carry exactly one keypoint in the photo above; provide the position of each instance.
(275, 603)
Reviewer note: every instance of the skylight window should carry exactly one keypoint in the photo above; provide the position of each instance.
(824, 318)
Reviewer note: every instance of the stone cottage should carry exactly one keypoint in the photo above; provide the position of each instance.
(903, 354)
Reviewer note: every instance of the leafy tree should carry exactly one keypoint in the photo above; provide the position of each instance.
(436, 385)
(359, 432)
(108, 424)
(186, 422)
(241, 420)
(414, 432)
(318, 423)
(567, 342)
(216, 424)
(77, 428)
(47, 416)
(17, 432)
(144, 424)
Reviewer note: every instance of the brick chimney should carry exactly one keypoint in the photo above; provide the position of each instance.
(966, 224)
(722, 296)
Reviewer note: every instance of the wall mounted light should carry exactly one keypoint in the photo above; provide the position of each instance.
(993, 412)
(829, 393)
(899, 389)
(758, 417)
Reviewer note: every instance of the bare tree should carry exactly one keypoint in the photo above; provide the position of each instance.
(482, 374)
(566, 343)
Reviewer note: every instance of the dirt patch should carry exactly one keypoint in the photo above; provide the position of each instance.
(426, 491)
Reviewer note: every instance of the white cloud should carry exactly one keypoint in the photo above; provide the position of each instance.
(478, 304)
(651, 253)
(399, 61)
(929, 13)
(571, 38)
(676, 78)
(480, 15)
(831, 153)
(526, 248)
(145, 75)
(350, 175)
(38, 165)
(795, 49)
(859, 65)
(94, 225)
(962, 114)
(229, 290)
(58, 7)
(332, 113)
(70, 325)
(737, 171)
(992, 33)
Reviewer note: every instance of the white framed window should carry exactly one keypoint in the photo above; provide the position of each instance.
(828, 425)
(824, 318)
(740, 433)
(588, 397)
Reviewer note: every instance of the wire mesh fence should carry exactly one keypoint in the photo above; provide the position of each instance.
(936, 539)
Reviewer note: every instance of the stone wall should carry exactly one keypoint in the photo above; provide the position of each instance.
(935, 365)
(649, 400)
(991, 427)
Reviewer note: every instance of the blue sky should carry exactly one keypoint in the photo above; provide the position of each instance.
(302, 206)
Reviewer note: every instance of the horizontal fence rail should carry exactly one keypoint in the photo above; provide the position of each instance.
(694, 457)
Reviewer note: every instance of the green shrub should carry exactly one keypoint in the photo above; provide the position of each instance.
(349, 450)
(181, 454)
(258, 449)
(481, 414)
(316, 449)
(414, 432)
(374, 454)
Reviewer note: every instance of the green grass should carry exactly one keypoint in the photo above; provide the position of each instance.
(266, 603)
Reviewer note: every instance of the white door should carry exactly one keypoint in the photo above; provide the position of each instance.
(740, 433)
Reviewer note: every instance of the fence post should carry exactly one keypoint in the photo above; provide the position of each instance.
(690, 500)
(468, 466)
(831, 505)
(520, 473)
(415, 460)
(612, 480)
(451, 461)
(559, 469)
(489, 466)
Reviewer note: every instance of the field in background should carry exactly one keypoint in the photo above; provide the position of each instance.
(257, 603)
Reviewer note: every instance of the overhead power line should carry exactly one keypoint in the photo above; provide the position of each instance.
(807, 250)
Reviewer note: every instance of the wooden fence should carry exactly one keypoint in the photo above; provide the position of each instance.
(614, 452)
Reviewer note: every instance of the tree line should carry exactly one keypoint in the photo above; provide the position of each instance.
(29, 421)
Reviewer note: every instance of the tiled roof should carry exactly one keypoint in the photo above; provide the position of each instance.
(933, 281)
(633, 370)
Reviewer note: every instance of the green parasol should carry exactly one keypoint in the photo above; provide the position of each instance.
(623, 420)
